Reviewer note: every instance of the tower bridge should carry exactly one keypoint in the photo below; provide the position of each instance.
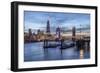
(79, 39)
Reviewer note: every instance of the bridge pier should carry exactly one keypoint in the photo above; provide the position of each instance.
(45, 43)
(48, 45)
(62, 43)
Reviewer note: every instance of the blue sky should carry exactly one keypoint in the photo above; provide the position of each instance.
(38, 20)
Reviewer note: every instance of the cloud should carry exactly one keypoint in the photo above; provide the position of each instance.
(36, 20)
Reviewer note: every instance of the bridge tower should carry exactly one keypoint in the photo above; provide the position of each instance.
(58, 33)
(73, 33)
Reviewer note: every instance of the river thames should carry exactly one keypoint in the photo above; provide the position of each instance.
(36, 52)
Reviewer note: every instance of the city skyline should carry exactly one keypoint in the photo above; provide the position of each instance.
(55, 32)
(37, 20)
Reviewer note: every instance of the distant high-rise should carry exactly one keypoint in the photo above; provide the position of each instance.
(48, 27)
(30, 32)
(38, 31)
(30, 35)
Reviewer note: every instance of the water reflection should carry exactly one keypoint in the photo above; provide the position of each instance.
(81, 53)
(36, 52)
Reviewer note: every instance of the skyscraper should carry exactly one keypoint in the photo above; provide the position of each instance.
(38, 31)
(30, 32)
(48, 27)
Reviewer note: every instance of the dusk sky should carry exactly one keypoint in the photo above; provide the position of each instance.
(38, 20)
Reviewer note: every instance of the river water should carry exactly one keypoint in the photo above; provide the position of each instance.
(36, 52)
